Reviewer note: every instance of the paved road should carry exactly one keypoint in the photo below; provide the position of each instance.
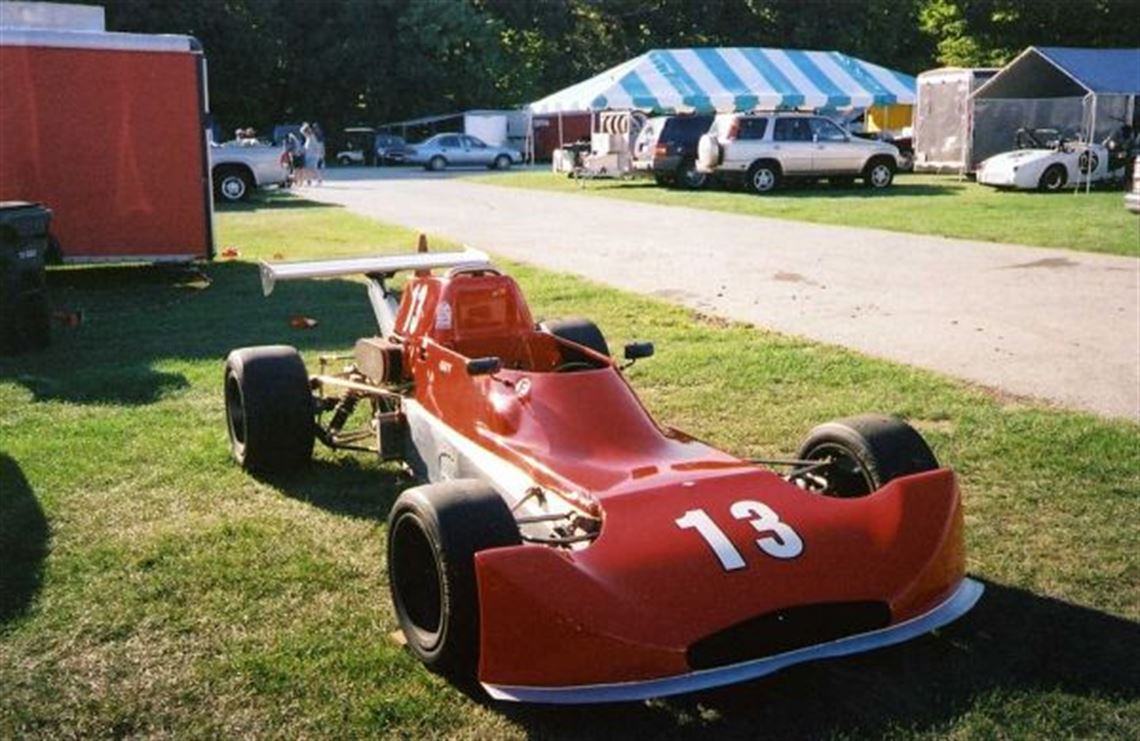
(1051, 324)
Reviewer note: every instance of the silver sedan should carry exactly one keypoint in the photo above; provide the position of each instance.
(460, 150)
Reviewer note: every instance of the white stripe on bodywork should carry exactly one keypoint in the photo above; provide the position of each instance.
(509, 480)
(964, 598)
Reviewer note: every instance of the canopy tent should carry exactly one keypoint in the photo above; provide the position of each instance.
(1086, 92)
(707, 80)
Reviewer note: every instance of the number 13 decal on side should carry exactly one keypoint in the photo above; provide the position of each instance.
(777, 538)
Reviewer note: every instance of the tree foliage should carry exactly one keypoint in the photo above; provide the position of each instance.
(346, 62)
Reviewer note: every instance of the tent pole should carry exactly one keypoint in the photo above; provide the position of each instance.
(1092, 137)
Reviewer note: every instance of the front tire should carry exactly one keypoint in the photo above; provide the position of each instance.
(270, 414)
(864, 454)
(579, 331)
(879, 173)
(1053, 179)
(502, 162)
(434, 532)
(763, 177)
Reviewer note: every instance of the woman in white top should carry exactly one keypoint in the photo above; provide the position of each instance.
(314, 153)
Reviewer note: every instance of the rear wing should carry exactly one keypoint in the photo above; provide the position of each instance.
(372, 266)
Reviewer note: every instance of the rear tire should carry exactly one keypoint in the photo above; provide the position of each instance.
(436, 163)
(763, 177)
(434, 532)
(270, 415)
(689, 178)
(867, 452)
(580, 331)
(1053, 179)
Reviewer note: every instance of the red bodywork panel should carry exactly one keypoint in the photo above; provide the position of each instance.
(627, 607)
(112, 140)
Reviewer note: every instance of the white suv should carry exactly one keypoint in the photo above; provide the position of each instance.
(762, 149)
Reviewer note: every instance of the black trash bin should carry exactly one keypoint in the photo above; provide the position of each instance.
(25, 312)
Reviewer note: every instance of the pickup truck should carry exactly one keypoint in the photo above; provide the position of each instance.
(237, 169)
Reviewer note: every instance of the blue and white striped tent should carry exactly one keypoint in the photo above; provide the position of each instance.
(722, 80)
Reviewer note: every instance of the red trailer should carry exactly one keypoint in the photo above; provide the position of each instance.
(108, 130)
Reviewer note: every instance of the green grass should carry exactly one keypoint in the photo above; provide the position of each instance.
(149, 587)
(919, 204)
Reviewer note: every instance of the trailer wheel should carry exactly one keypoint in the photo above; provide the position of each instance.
(434, 532)
(863, 454)
(232, 184)
(270, 415)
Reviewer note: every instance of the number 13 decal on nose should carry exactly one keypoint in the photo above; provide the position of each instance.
(778, 539)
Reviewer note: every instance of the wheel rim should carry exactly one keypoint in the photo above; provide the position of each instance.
(880, 176)
(844, 476)
(436, 163)
(502, 163)
(416, 581)
(763, 179)
(1053, 179)
(235, 412)
(233, 187)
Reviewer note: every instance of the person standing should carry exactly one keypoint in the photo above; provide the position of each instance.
(314, 151)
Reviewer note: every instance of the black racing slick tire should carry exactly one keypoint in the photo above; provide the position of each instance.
(270, 415)
(580, 331)
(864, 454)
(434, 532)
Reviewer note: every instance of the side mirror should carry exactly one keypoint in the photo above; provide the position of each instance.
(638, 350)
(484, 366)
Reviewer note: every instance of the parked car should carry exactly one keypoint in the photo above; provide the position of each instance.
(1048, 161)
(565, 547)
(390, 149)
(238, 169)
(359, 146)
(666, 148)
(760, 150)
(460, 150)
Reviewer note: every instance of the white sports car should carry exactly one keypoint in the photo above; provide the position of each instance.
(1048, 167)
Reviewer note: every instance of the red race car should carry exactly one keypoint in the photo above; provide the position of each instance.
(566, 547)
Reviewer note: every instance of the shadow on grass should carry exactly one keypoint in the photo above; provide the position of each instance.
(24, 539)
(351, 486)
(135, 318)
(1013, 642)
(271, 200)
(789, 189)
